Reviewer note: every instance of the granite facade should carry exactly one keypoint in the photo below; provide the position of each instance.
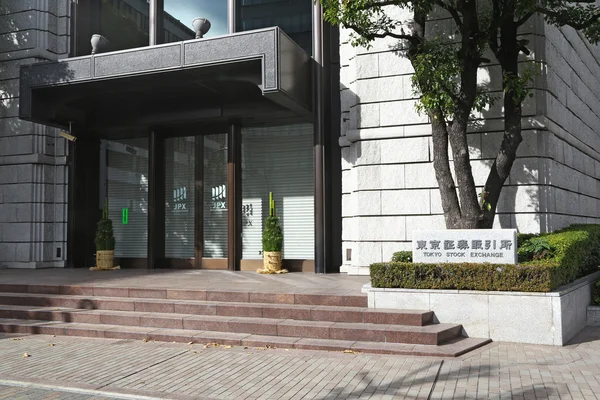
(33, 175)
(387, 154)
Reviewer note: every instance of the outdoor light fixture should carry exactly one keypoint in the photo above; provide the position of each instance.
(201, 26)
(99, 43)
(68, 136)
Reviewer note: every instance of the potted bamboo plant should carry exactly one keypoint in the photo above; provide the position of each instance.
(272, 240)
(105, 242)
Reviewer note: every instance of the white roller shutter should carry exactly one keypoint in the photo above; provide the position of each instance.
(215, 223)
(279, 160)
(179, 197)
(127, 192)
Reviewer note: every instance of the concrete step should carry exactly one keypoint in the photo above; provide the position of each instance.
(451, 348)
(235, 309)
(306, 298)
(429, 334)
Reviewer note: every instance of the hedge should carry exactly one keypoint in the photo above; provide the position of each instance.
(402, 256)
(546, 262)
(467, 276)
(596, 294)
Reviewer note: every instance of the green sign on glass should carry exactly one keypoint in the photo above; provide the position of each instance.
(125, 216)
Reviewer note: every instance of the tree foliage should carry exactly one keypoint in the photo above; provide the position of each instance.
(445, 77)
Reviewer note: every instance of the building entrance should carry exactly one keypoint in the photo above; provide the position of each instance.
(195, 203)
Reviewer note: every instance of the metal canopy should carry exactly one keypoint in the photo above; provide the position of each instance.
(258, 75)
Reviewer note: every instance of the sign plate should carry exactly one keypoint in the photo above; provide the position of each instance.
(125, 216)
(496, 246)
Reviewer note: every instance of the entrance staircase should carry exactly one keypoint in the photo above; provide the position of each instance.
(282, 320)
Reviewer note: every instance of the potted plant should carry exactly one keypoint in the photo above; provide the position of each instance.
(272, 240)
(105, 242)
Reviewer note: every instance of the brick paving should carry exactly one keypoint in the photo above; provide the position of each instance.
(104, 368)
(27, 393)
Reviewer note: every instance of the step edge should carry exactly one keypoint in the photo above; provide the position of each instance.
(419, 318)
(198, 333)
(4, 289)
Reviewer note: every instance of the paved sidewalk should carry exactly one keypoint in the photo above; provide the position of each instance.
(20, 392)
(81, 368)
(298, 282)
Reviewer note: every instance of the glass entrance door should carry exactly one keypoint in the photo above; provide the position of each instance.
(180, 204)
(196, 208)
(215, 218)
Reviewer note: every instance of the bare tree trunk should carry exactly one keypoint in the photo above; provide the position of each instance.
(469, 53)
(441, 164)
(469, 205)
(512, 128)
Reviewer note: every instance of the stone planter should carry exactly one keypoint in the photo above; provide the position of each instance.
(593, 315)
(540, 318)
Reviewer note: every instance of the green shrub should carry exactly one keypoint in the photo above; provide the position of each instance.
(535, 248)
(523, 237)
(596, 294)
(518, 278)
(546, 262)
(577, 251)
(402, 256)
(105, 239)
(272, 236)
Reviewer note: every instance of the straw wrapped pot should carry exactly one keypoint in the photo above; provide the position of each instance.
(105, 259)
(272, 261)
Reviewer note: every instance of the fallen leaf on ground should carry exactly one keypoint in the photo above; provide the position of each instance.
(226, 347)
(245, 347)
(25, 355)
(190, 343)
(51, 345)
(144, 340)
(350, 352)
(16, 338)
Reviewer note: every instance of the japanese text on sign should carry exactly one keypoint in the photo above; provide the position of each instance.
(498, 246)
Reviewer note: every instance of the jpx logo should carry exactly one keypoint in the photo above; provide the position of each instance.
(180, 198)
(219, 195)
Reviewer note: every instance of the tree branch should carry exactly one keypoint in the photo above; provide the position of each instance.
(493, 30)
(525, 18)
(453, 11)
(384, 33)
(561, 19)
(380, 4)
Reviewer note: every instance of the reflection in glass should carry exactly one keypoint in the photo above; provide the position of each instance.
(179, 15)
(293, 16)
(179, 197)
(127, 194)
(215, 196)
(125, 23)
(278, 159)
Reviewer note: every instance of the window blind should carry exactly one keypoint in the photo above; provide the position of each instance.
(279, 160)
